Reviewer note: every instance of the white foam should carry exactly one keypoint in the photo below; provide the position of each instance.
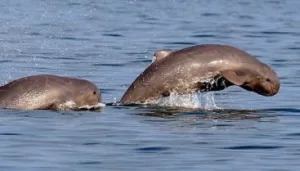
(204, 100)
(208, 100)
(88, 107)
(72, 105)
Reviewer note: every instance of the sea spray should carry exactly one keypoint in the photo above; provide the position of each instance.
(208, 100)
(204, 100)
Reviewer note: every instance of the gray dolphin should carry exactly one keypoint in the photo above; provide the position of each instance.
(207, 67)
(50, 92)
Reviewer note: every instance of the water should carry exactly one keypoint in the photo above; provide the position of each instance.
(110, 43)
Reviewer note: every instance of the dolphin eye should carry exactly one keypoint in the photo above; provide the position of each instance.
(94, 93)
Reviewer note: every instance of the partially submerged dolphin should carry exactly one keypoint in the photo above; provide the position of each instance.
(50, 92)
(207, 67)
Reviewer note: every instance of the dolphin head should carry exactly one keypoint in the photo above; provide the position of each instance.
(263, 79)
(265, 82)
(86, 95)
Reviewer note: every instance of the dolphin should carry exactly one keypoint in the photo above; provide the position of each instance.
(50, 92)
(207, 67)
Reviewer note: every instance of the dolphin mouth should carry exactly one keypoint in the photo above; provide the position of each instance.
(272, 92)
(269, 90)
(92, 107)
(261, 91)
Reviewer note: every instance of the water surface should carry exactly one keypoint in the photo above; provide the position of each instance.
(110, 43)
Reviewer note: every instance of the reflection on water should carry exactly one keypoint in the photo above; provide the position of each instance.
(196, 100)
(197, 106)
(200, 114)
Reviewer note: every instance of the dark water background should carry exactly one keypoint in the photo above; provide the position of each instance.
(109, 42)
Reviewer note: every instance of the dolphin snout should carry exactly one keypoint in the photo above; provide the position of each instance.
(275, 89)
(272, 89)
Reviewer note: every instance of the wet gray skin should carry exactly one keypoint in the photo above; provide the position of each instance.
(208, 67)
(42, 92)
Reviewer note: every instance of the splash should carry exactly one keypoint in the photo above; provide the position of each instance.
(67, 105)
(92, 107)
(204, 100)
(71, 105)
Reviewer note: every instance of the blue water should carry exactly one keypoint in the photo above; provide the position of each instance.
(110, 42)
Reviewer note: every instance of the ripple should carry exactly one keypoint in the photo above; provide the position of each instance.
(247, 25)
(201, 143)
(69, 38)
(204, 35)
(208, 14)
(182, 43)
(140, 61)
(252, 147)
(254, 36)
(285, 110)
(74, 4)
(10, 133)
(223, 125)
(90, 162)
(165, 115)
(105, 90)
(246, 17)
(293, 134)
(109, 65)
(280, 60)
(112, 35)
(34, 34)
(273, 2)
(293, 48)
(48, 24)
(278, 33)
(135, 53)
(90, 143)
(152, 149)
(5, 61)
